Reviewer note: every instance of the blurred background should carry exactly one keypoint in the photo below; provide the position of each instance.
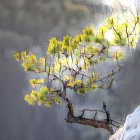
(29, 24)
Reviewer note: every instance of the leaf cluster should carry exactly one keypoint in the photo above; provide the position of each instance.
(69, 61)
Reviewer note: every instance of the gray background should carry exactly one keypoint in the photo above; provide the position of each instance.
(28, 24)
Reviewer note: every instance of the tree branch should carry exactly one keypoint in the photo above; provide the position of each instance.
(90, 122)
(106, 124)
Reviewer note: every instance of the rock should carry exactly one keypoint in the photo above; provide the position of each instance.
(131, 128)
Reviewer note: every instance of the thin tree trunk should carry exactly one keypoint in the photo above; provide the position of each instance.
(85, 121)
(91, 122)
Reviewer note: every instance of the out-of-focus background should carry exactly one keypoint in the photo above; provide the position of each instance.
(28, 24)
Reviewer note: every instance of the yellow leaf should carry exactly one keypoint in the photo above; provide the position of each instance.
(40, 81)
(66, 77)
(94, 86)
(40, 102)
(23, 55)
(84, 67)
(33, 82)
(78, 82)
(48, 103)
(17, 56)
(42, 61)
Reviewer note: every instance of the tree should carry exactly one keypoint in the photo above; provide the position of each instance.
(70, 64)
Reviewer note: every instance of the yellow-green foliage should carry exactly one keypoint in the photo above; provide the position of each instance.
(35, 82)
(68, 61)
(43, 96)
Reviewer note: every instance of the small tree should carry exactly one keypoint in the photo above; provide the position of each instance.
(69, 65)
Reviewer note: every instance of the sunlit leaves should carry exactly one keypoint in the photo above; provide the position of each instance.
(87, 82)
(42, 96)
(40, 102)
(48, 103)
(66, 40)
(81, 91)
(77, 53)
(57, 100)
(110, 22)
(76, 42)
(23, 55)
(32, 98)
(102, 31)
(97, 76)
(54, 46)
(118, 55)
(72, 83)
(136, 20)
(92, 50)
(78, 82)
(43, 91)
(29, 99)
(78, 39)
(65, 61)
(93, 86)
(86, 38)
(75, 61)
(35, 82)
(71, 60)
(42, 61)
(132, 41)
(89, 31)
(96, 39)
(66, 77)
(57, 67)
(120, 42)
(30, 63)
(40, 81)
(104, 58)
(84, 66)
(17, 56)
